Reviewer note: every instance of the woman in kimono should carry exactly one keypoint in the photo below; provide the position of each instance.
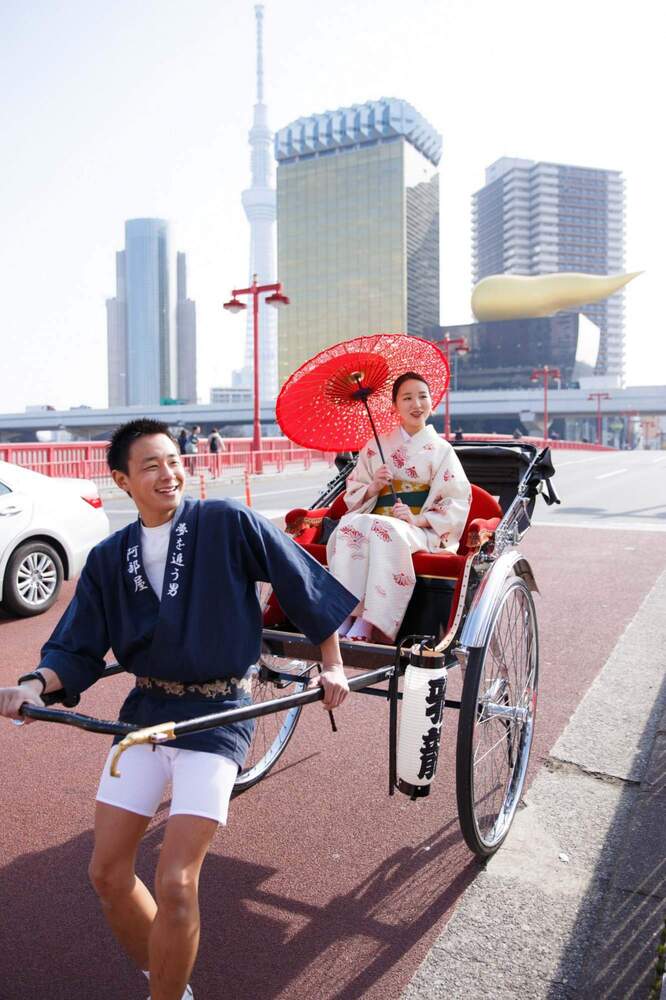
(370, 552)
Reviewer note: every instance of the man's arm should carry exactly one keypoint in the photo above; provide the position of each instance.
(76, 649)
(12, 698)
(332, 678)
(73, 657)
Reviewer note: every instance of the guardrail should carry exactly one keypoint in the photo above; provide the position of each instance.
(540, 442)
(87, 460)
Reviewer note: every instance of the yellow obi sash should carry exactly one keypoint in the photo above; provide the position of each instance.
(411, 493)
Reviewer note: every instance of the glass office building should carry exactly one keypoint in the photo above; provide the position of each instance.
(186, 335)
(151, 346)
(503, 354)
(358, 227)
(116, 338)
(150, 352)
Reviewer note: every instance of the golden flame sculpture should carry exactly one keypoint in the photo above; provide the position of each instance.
(517, 296)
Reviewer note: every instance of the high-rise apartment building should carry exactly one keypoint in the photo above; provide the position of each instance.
(539, 218)
(358, 226)
(141, 332)
(186, 335)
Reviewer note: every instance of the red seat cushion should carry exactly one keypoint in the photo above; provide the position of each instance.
(305, 526)
(482, 506)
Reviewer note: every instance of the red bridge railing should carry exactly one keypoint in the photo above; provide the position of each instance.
(87, 459)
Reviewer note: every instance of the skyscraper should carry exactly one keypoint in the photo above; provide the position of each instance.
(141, 334)
(186, 335)
(358, 226)
(259, 204)
(538, 218)
(116, 337)
(149, 348)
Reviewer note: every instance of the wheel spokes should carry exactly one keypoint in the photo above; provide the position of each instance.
(505, 705)
(36, 578)
(271, 732)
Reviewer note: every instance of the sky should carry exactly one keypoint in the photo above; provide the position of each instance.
(113, 111)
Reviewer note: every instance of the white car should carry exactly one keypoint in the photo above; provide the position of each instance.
(47, 528)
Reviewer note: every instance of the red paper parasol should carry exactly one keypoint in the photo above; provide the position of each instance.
(339, 398)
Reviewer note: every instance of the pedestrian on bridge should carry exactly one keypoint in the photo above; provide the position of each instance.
(174, 595)
(217, 447)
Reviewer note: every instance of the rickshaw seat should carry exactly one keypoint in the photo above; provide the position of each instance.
(306, 526)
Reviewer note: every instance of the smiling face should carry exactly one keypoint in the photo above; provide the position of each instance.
(155, 478)
(413, 405)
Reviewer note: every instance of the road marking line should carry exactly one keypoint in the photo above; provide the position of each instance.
(268, 512)
(615, 472)
(578, 461)
(239, 496)
(272, 493)
(657, 460)
(656, 528)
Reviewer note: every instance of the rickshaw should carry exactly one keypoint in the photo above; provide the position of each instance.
(472, 611)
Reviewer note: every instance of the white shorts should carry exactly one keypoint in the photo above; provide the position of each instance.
(201, 783)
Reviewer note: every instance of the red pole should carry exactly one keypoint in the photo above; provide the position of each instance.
(460, 343)
(447, 421)
(256, 430)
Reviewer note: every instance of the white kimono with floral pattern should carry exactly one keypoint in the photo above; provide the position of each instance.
(371, 553)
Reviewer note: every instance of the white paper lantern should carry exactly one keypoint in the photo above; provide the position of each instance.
(423, 696)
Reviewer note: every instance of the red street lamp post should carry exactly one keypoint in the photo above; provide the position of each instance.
(276, 300)
(545, 373)
(599, 396)
(462, 347)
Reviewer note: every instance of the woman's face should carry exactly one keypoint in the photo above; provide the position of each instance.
(413, 405)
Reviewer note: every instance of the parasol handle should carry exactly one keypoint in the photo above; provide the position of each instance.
(364, 400)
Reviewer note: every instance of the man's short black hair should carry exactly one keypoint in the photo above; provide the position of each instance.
(124, 437)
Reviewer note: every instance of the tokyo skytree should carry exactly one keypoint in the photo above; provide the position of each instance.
(259, 204)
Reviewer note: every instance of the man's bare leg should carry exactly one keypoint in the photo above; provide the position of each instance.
(127, 905)
(174, 938)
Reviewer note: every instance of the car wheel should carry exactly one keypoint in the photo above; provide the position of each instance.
(33, 579)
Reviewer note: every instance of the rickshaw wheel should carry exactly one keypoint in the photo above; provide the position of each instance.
(496, 722)
(271, 732)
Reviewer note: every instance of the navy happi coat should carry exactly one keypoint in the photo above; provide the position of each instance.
(207, 624)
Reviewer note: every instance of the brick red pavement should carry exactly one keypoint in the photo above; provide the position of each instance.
(322, 886)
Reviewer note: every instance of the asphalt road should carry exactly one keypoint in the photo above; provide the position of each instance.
(616, 490)
(321, 886)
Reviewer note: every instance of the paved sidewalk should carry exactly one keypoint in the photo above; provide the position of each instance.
(572, 905)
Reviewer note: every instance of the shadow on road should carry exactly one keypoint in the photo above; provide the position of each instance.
(255, 942)
(282, 948)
